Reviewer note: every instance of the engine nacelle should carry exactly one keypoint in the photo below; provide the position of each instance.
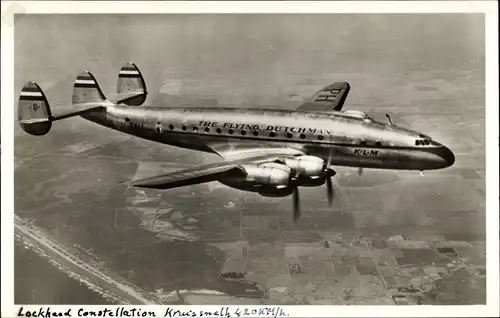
(268, 174)
(306, 166)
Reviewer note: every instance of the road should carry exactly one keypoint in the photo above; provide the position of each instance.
(107, 284)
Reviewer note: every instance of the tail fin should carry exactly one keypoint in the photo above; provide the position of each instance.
(34, 113)
(131, 87)
(86, 89)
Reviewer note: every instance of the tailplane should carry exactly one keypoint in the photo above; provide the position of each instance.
(34, 113)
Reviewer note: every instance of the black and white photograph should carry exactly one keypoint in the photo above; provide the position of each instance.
(249, 159)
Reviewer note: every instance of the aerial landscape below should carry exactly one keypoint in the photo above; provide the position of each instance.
(390, 237)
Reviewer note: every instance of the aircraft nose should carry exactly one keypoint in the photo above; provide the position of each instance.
(447, 155)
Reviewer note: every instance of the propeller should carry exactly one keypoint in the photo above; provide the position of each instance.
(329, 191)
(296, 204)
(360, 171)
(329, 172)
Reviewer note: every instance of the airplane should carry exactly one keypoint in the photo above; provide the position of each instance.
(271, 152)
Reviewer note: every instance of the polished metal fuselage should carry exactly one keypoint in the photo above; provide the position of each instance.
(333, 136)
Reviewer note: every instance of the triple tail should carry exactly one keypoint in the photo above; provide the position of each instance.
(35, 115)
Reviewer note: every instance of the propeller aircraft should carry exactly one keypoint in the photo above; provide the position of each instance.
(272, 152)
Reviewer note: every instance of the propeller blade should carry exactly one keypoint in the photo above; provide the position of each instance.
(296, 204)
(360, 171)
(329, 191)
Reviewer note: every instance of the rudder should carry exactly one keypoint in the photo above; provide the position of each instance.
(86, 89)
(34, 112)
(131, 83)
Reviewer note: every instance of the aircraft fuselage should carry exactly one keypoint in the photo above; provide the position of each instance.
(343, 140)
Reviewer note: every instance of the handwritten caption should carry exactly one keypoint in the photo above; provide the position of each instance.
(46, 312)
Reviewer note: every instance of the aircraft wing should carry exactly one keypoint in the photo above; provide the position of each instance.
(209, 172)
(189, 176)
(332, 97)
(252, 152)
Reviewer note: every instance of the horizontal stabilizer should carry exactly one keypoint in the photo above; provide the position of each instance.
(128, 98)
(34, 121)
(78, 110)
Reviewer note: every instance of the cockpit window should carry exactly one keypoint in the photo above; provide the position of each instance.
(423, 142)
(435, 143)
(357, 114)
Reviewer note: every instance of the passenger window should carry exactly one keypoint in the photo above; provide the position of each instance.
(127, 119)
(207, 129)
(417, 142)
(219, 130)
(184, 127)
(363, 142)
(158, 128)
(378, 144)
(320, 137)
(230, 131)
(171, 127)
(255, 133)
(243, 132)
(195, 129)
(302, 136)
(289, 135)
(272, 134)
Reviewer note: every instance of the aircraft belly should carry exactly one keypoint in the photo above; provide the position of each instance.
(264, 190)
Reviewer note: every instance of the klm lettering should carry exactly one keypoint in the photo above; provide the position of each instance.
(364, 152)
